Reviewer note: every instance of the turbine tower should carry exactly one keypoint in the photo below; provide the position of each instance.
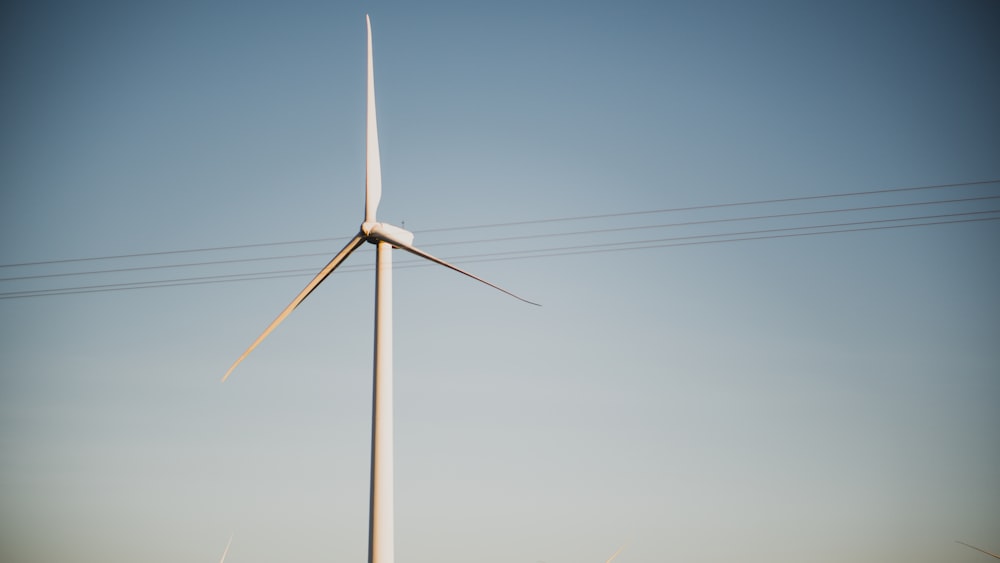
(385, 237)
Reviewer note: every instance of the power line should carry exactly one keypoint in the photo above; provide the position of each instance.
(717, 238)
(155, 283)
(513, 238)
(718, 205)
(723, 220)
(164, 266)
(521, 223)
(167, 252)
(585, 250)
(745, 235)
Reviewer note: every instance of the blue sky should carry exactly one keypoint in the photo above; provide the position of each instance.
(829, 397)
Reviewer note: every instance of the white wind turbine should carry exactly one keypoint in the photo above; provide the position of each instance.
(385, 237)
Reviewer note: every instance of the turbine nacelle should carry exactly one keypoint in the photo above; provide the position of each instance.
(392, 234)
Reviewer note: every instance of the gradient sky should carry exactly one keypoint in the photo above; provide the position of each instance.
(820, 398)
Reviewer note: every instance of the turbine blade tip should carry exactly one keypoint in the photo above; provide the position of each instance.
(232, 367)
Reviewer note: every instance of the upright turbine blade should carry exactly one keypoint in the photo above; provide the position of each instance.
(347, 250)
(373, 164)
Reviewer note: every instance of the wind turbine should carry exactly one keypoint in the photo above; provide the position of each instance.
(385, 237)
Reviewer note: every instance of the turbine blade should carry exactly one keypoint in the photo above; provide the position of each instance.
(422, 254)
(224, 553)
(615, 554)
(373, 164)
(351, 246)
(979, 550)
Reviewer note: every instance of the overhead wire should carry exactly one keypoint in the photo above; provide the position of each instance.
(685, 240)
(164, 266)
(509, 238)
(719, 205)
(713, 221)
(489, 257)
(744, 235)
(165, 252)
(521, 223)
(690, 240)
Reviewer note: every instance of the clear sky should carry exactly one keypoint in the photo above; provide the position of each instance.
(823, 398)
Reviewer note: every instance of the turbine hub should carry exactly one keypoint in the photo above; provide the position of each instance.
(392, 234)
